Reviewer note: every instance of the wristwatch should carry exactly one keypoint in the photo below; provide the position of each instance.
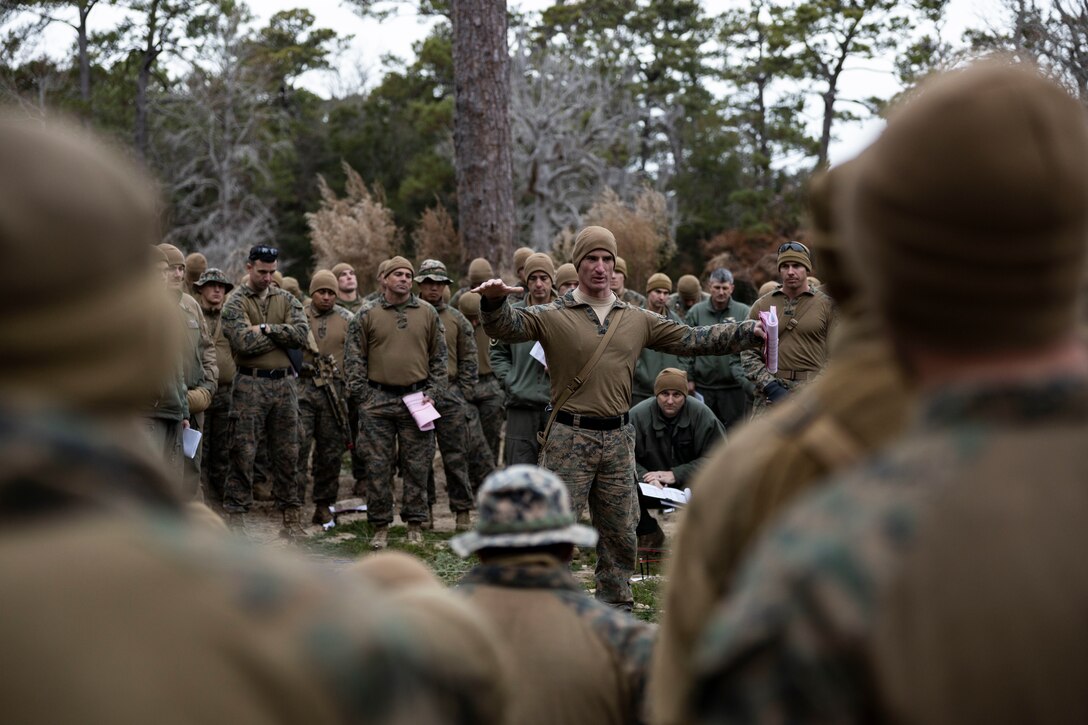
(263, 328)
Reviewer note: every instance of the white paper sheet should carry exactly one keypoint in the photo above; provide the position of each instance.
(538, 354)
(424, 414)
(770, 346)
(672, 495)
(190, 439)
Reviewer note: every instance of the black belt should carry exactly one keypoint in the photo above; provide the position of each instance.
(485, 376)
(398, 389)
(575, 420)
(274, 374)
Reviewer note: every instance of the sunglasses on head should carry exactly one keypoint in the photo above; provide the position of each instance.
(793, 247)
(263, 254)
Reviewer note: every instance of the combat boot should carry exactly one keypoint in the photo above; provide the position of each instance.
(415, 536)
(463, 521)
(428, 525)
(380, 539)
(292, 526)
(322, 515)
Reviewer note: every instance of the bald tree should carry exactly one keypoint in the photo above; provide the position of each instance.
(481, 130)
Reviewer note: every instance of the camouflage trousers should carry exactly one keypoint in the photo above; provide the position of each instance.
(215, 459)
(320, 434)
(451, 430)
(599, 470)
(489, 401)
(269, 408)
(522, 425)
(358, 463)
(384, 421)
(481, 461)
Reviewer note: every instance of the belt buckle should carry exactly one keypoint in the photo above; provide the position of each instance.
(576, 420)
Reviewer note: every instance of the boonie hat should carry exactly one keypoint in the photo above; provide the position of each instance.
(214, 274)
(523, 506)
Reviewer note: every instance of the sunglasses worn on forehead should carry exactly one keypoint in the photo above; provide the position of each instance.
(263, 254)
(793, 246)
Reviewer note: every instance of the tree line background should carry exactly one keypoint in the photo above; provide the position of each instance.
(689, 134)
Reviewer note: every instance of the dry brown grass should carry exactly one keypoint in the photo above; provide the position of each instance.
(357, 228)
(641, 229)
(436, 238)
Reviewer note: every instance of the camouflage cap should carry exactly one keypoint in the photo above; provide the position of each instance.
(433, 270)
(523, 506)
(214, 274)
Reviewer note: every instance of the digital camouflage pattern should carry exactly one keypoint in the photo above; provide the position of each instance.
(523, 506)
(488, 400)
(215, 461)
(481, 461)
(633, 298)
(270, 408)
(385, 423)
(793, 643)
(452, 429)
(599, 470)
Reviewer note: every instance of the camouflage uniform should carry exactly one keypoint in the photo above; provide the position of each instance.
(587, 662)
(633, 298)
(794, 641)
(318, 427)
(598, 465)
(802, 352)
(452, 429)
(680, 306)
(202, 382)
(384, 420)
(262, 405)
(215, 459)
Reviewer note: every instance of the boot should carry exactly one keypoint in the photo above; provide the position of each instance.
(263, 491)
(415, 536)
(380, 539)
(292, 527)
(237, 523)
(322, 515)
(428, 525)
(463, 521)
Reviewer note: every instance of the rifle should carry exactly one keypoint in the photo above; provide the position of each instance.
(325, 376)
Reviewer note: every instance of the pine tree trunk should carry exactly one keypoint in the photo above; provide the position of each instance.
(481, 131)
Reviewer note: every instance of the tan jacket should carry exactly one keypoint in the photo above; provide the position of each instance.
(803, 348)
(859, 404)
(201, 366)
(569, 333)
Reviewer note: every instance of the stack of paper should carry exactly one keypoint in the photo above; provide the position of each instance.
(423, 413)
(770, 347)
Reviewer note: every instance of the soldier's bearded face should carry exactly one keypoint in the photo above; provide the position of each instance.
(323, 299)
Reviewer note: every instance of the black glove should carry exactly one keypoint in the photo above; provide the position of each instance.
(775, 391)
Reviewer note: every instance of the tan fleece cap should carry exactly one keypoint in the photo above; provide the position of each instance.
(520, 255)
(399, 262)
(566, 274)
(689, 287)
(174, 256)
(592, 238)
(977, 187)
(323, 279)
(195, 265)
(469, 304)
(479, 271)
(659, 280)
(621, 266)
(539, 262)
(341, 267)
(671, 379)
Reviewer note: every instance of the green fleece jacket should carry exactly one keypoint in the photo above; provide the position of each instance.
(681, 447)
(525, 380)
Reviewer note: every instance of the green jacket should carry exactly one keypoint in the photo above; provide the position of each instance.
(681, 447)
(651, 362)
(719, 371)
(524, 379)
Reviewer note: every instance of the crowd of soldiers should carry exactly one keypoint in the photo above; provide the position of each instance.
(885, 519)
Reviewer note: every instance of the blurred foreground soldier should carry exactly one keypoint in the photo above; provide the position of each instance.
(619, 285)
(347, 287)
(393, 570)
(263, 323)
(651, 362)
(451, 430)
(688, 292)
(720, 380)
(566, 278)
(577, 661)
(805, 317)
(200, 369)
(322, 412)
(524, 377)
(589, 442)
(993, 468)
(195, 265)
(395, 347)
(674, 435)
(212, 289)
(116, 607)
(857, 405)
